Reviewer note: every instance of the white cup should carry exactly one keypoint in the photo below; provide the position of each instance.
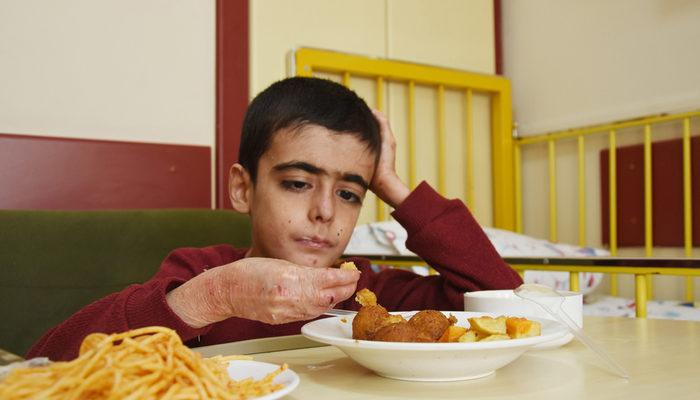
(505, 302)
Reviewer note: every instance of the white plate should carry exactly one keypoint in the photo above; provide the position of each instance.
(553, 344)
(242, 369)
(428, 361)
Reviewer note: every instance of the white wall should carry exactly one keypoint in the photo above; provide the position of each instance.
(133, 70)
(575, 63)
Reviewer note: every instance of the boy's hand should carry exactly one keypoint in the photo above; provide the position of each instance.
(386, 183)
(262, 289)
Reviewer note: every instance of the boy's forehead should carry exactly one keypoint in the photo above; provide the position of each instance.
(320, 145)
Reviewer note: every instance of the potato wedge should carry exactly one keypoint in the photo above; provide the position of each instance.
(493, 338)
(452, 333)
(468, 337)
(488, 325)
(522, 327)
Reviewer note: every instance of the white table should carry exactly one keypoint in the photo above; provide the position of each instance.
(661, 356)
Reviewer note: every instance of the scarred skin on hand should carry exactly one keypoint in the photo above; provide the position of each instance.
(263, 289)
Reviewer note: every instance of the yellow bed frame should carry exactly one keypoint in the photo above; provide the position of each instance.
(506, 160)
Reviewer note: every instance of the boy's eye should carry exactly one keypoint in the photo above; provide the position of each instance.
(295, 185)
(349, 196)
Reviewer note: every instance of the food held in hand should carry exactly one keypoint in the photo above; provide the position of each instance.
(348, 265)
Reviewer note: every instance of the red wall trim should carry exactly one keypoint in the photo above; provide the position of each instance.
(231, 88)
(74, 174)
(498, 36)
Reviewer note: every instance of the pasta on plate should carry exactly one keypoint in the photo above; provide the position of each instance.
(145, 363)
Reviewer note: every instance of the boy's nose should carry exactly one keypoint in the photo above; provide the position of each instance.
(323, 208)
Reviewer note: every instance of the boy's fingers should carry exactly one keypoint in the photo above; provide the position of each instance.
(331, 277)
(381, 119)
(331, 296)
(383, 123)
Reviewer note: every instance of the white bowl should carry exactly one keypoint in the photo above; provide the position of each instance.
(505, 302)
(428, 361)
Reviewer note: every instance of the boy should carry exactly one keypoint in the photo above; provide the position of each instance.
(309, 152)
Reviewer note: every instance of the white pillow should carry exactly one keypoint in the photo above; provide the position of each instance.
(389, 237)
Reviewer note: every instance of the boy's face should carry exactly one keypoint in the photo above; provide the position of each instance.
(308, 194)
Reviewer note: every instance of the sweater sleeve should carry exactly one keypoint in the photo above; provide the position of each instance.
(134, 307)
(445, 234)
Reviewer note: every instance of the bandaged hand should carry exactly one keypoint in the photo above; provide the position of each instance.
(262, 289)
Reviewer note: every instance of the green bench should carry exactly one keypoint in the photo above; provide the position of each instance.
(52, 263)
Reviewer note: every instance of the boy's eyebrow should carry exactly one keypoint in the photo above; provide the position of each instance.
(312, 169)
(356, 179)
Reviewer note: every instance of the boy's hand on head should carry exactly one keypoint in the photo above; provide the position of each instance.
(262, 289)
(386, 183)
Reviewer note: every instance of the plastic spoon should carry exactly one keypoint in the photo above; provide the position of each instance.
(534, 292)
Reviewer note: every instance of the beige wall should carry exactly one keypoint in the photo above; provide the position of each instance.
(448, 33)
(135, 70)
(577, 63)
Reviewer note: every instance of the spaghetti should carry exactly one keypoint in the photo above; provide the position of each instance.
(145, 363)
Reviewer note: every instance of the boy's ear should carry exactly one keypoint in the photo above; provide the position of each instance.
(240, 188)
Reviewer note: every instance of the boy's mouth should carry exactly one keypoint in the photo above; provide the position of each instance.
(314, 242)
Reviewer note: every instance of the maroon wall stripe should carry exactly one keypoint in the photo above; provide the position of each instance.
(75, 174)
(667, 193)
(498, 36)
(231, 88)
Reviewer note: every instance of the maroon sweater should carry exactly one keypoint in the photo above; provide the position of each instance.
(443, 232)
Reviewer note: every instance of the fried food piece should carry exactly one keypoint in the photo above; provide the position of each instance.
(367, 321)
(522, 327)
(432, 323)
(401, 332)
(486, 326)
(394, 319)
(371, 319)
(366, 298)
(348, 265)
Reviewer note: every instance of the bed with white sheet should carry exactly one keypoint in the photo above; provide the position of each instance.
(388, 238)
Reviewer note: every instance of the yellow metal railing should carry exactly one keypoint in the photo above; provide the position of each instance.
(612, 130)
(469, 148)
(507, 155)
(308, 62)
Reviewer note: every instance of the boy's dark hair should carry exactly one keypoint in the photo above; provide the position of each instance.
(295, 102)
